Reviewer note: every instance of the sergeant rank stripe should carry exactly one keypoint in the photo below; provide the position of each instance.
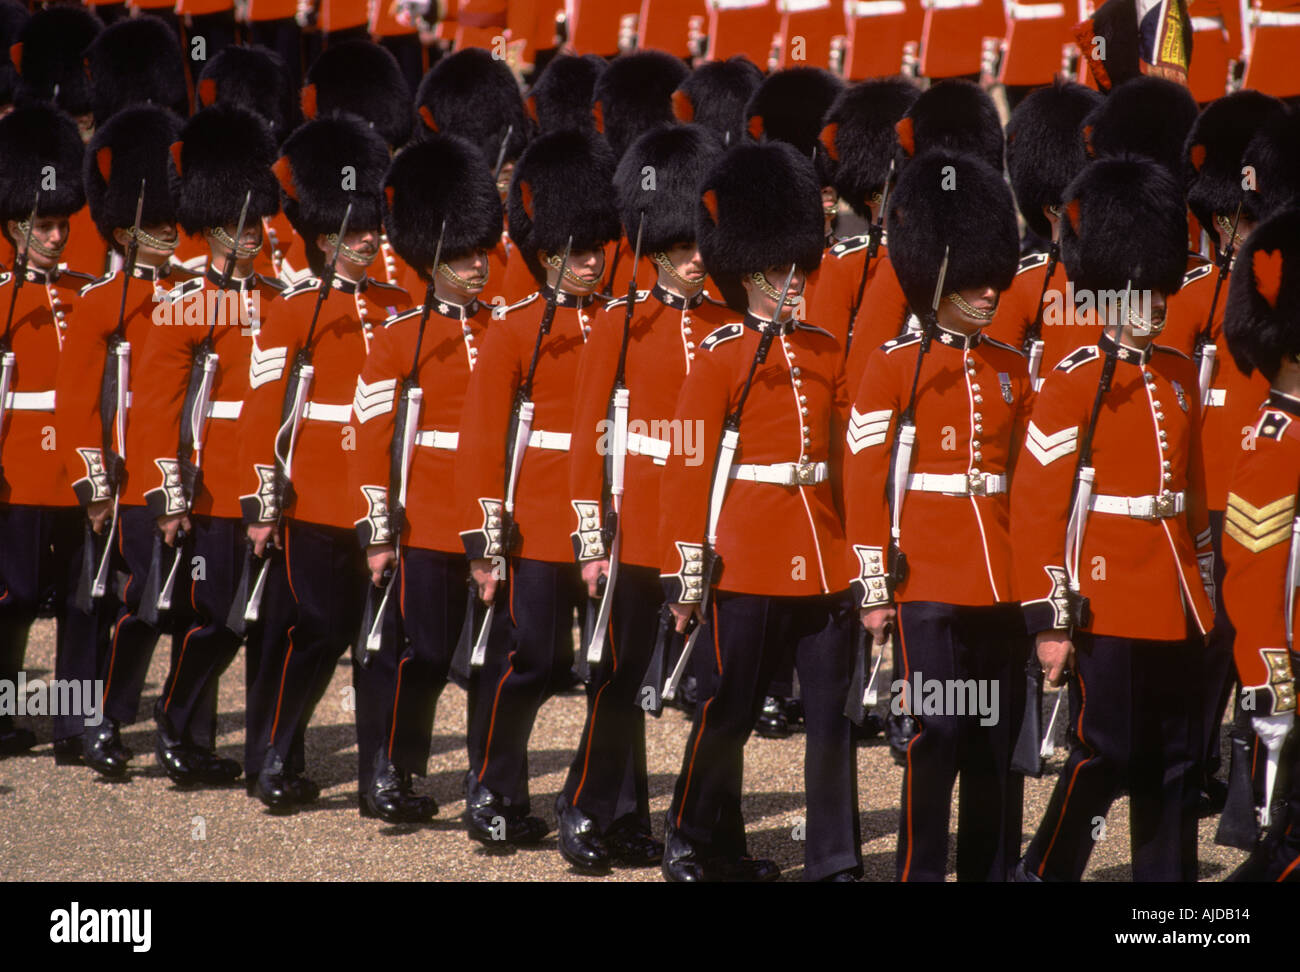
(374, 399)
(1048, 448)
(266, 366)
(867, 430)
(1259, 527)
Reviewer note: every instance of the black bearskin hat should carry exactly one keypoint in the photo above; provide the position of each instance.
(1125, 222)
(561, 97)
(253, 78)
(31, 139)
(52, 54)
(947, 200)
(760, 206)
(953, 116)
(1145, 116)
(788, 107)
(441, 178)
(1274, 155)
(634, 95)
(859, 139)
(678, 158)
(474, 95)
(1045, 147)
(136, 61)
(1262, 318)
(311, 171)
(134, 145)
(360, 78)
(223, 153)
(13, 17)
(715, 95)
(562, 187)
(1212, 156)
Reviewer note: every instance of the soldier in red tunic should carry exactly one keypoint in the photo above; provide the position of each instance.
(1261, 539)
(776, 531)
(1114, 565)
(126, 155)
(647, 352)
(934, 434)
(182, 441)
(326, 165)
(561, 200)
(41, 525)
(442, 195)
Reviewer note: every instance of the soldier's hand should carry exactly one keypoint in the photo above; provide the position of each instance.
(486, 577)
(261, 535)
(682, 614)
(379, 558)
(1055, 654)
(169, 525)
(98, 513)
(878, 621)
(591, 574)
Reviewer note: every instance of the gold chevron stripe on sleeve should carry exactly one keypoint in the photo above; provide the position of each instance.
(1259, 527)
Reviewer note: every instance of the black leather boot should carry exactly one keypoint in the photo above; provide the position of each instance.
(580, 841)
(102, 750)
(490, 821)
(275, 786)
(684, 862)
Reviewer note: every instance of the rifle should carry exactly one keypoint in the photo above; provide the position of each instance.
(728, 445)
(405, 428)
(1034, 334)
(521, 427)
(1205, 347)
(875, 236)
(1024, 759)
(292, 414)
(501, 159)
(616, 467)
(8, 360)
(113, 389)
(157, 597)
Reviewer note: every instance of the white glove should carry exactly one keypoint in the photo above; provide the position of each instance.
(1272, 729)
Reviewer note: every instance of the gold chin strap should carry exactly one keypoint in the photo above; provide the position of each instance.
(465, 283)
(663, 263)
(39, 248)
(760, 281)
(973, 313)
(555, 260)
(1141, 325)
(219, 234)
(349, 254)
(151, 241)
(1225, 225)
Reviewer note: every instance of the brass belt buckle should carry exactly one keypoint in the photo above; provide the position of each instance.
(805, 473)
(1164, 506)
(975, 484)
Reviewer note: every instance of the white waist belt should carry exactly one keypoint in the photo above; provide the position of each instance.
(1274, 18)
(559, 441)
(1036, 11)
(874, 8)
(1140, 507)
(42, 401)
(1216, 397)
(328, 413)
(438, 440)
(1207, 23)
(783, 473)
(225, 410)
(949, 4)
(959, 484)
(648, 445)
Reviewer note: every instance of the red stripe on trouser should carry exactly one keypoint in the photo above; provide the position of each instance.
(907, 797)
(1065, 806)
(595, 707)
(279, 697)
(704, 718)
(496, 700)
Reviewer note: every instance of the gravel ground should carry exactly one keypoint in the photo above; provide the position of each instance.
(64, 823)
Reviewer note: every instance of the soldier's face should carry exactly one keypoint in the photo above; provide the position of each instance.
(763, 301)
(583, 273)
(968, 310)
(503, 180)
(360, 247)
(49, 237)
(147, 254)
(467, 276)
(686, 263)
(250, 239)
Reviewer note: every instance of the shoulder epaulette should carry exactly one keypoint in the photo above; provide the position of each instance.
(501, 310)
(275, 284)
(1004, 346)
(814, 328)
(97, 283)
(709, 298)
(194, 266)
(1031, 260)
(1169, 350)
(404, 315)
(1079, 356)
(721, 335)
(1196, 273)
(188, 286)
(1272, 424)
(292, 278)
(384, 285)
(619, 301)
(307, 285)
(850, 244)
(76, 274)
(893, 344)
